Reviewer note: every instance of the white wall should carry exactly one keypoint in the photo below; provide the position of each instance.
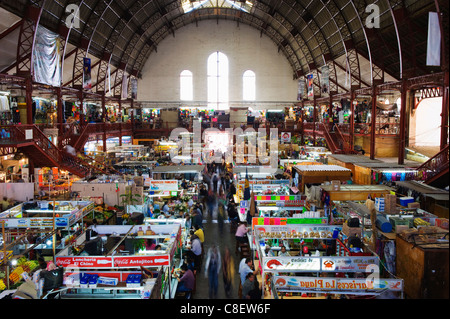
(192, 45)
(427, 119)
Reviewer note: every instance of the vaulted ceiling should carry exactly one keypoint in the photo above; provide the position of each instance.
(309, 32)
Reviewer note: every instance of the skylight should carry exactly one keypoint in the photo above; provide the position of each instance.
(191, 5)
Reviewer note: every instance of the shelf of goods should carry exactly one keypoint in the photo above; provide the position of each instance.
(265, 187)
(129, 167)
(322, 261)
(350, 209)
(268, 204)
(39, 214)
(166, 172)
(300, 219)
(379, 172)
(113, 261)
(256, 172)
(161, 188)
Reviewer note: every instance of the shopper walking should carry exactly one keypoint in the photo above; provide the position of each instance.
(210, 202)
(212, 269)
(215, 181)
(196, 252)
(228, 272)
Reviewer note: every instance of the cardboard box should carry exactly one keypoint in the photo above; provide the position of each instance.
(414, 205)
(336, 185)
(401, 228)
(350, 231)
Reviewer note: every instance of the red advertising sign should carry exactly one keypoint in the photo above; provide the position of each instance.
(144, 261)
(113, 262)
(84, 262)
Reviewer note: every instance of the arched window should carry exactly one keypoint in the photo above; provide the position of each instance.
(218, 81)
(186, 86)
(249, 86)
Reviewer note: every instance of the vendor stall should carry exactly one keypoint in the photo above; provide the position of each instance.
(317, 174)
(432, 199)
(353, 192)
(191, 172)
(112, 262)
(380, 172)
(304, 287)
(349, 161)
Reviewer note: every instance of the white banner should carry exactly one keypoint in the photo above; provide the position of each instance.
(434, 40)
(319, 264)
(337, 284)
(161, 185)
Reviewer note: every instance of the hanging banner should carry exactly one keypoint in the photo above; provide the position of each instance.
(87, 82)
(301, 89)
(47, 57)
(134, 87)
(325, 81)
(310, 85)
(125, 86)
(109, 80)
(434, 40)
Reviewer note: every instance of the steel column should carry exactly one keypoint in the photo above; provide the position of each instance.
(314, 121)
(352, 120)
(373, 121)
(59, 111)
(120, 128)
(445, 112)
(29, 99)
(104, 120)
(402, 142)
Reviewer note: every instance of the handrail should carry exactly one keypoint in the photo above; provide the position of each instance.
(435, 165)
(328, 137)
(346, 144)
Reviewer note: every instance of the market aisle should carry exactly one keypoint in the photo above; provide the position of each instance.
(222, 239)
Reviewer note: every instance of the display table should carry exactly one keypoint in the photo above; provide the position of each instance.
(349, 161)
(353, 192)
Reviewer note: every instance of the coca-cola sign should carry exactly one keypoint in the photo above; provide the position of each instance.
(113, 262)
(144, 261)
(85, 262)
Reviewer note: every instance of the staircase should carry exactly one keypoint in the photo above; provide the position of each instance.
(44, 153)
(335, 145)
(436, 167)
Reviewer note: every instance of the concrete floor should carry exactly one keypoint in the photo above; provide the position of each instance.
(222, 239)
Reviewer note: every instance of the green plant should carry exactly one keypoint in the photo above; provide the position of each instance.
(138, 244)
(129, 198)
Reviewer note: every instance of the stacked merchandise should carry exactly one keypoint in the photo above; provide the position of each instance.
(390, 204)
(379, 204)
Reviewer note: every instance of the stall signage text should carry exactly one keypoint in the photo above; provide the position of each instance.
(344, 284)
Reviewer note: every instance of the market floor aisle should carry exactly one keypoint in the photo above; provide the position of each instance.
(222, 239)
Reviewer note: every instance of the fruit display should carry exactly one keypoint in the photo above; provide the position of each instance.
(2, 285)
